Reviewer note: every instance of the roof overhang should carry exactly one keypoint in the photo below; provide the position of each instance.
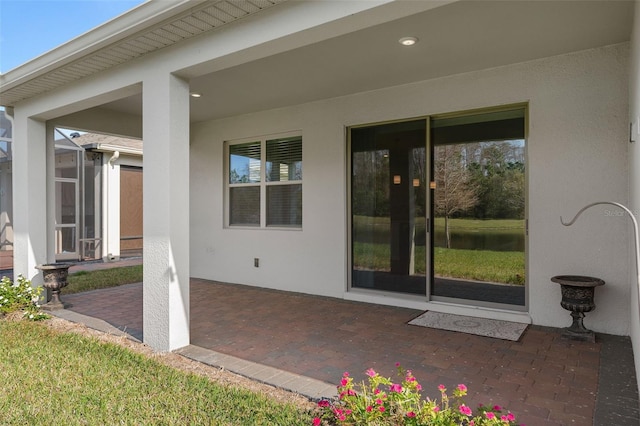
(106, 148)
(147, 28)
(353, 54)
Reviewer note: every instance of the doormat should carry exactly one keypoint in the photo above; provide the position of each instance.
(497, 329)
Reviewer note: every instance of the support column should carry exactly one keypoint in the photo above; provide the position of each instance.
(166, 212)
(111, 209)
(29, 195)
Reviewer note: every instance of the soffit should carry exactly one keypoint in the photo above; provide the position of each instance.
(460, 37)
(200, 17)
(456, 38)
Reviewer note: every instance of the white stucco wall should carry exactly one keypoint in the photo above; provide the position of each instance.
(577, 154)
(634, 176)
(30, 171)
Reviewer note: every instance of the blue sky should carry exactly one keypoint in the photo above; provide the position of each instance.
(29, 28)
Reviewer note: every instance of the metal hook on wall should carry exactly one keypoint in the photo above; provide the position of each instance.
(635, 234)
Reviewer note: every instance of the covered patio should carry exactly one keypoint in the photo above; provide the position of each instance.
(221, 94)
(543, 378)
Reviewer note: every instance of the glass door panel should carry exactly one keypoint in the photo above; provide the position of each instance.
(478, 168)
(66, 219)
(388, 207)
(68, 160)
(78, 194)
(90, 214)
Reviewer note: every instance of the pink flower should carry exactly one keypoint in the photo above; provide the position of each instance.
(462, 388)
(511, 417)
(497, 408)
(316, 421)
(465, 410)
(369, 408)
(503, 418)
(419, 387)
(490, 415)
(411, 414)
(379, 401)
(376, 392)
(342, 418)
(381, 408)
(436, 409)
(323, 403)
(351, 392)
(345, 374)
(371, 372)
(397, 364)
(395, 388)
(442, 388)
(344, 382)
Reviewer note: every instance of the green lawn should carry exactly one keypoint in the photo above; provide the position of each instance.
(371, 248)
(49, 377)
(481, 223)
(93, 280)
(383, 222)
(481, 265)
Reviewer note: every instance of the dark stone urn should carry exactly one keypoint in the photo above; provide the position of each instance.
(55, 278)
(578, 297)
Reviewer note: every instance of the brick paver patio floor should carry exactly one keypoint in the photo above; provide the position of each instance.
(544, 379)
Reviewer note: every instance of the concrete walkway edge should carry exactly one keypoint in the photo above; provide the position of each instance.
(91, 322)
(305, 386)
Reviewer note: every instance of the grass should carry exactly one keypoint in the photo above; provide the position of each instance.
(360, 222)
(49, 377)
(485, 224)
(505, 267)
(372, 239)
(488, 233)
(480, 265)
(93, 280)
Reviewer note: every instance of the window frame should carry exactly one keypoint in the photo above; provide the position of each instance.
(263, 183)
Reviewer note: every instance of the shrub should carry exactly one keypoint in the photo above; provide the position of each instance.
(380, 401)
(20, 296)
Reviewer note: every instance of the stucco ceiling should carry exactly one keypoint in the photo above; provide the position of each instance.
(456, 38)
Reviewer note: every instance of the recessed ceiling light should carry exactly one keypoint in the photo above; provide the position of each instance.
(195, 95)
(408, 41)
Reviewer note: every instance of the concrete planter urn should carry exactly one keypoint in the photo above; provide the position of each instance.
(55, 279)
(578, 297)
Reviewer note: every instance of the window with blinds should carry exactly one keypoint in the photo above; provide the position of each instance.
(265, 182)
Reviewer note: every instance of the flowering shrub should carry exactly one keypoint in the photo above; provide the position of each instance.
(20, 296)
(383, 402)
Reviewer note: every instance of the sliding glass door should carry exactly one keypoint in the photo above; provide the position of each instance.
(478, 206)
(388, 178)
(438, 209)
